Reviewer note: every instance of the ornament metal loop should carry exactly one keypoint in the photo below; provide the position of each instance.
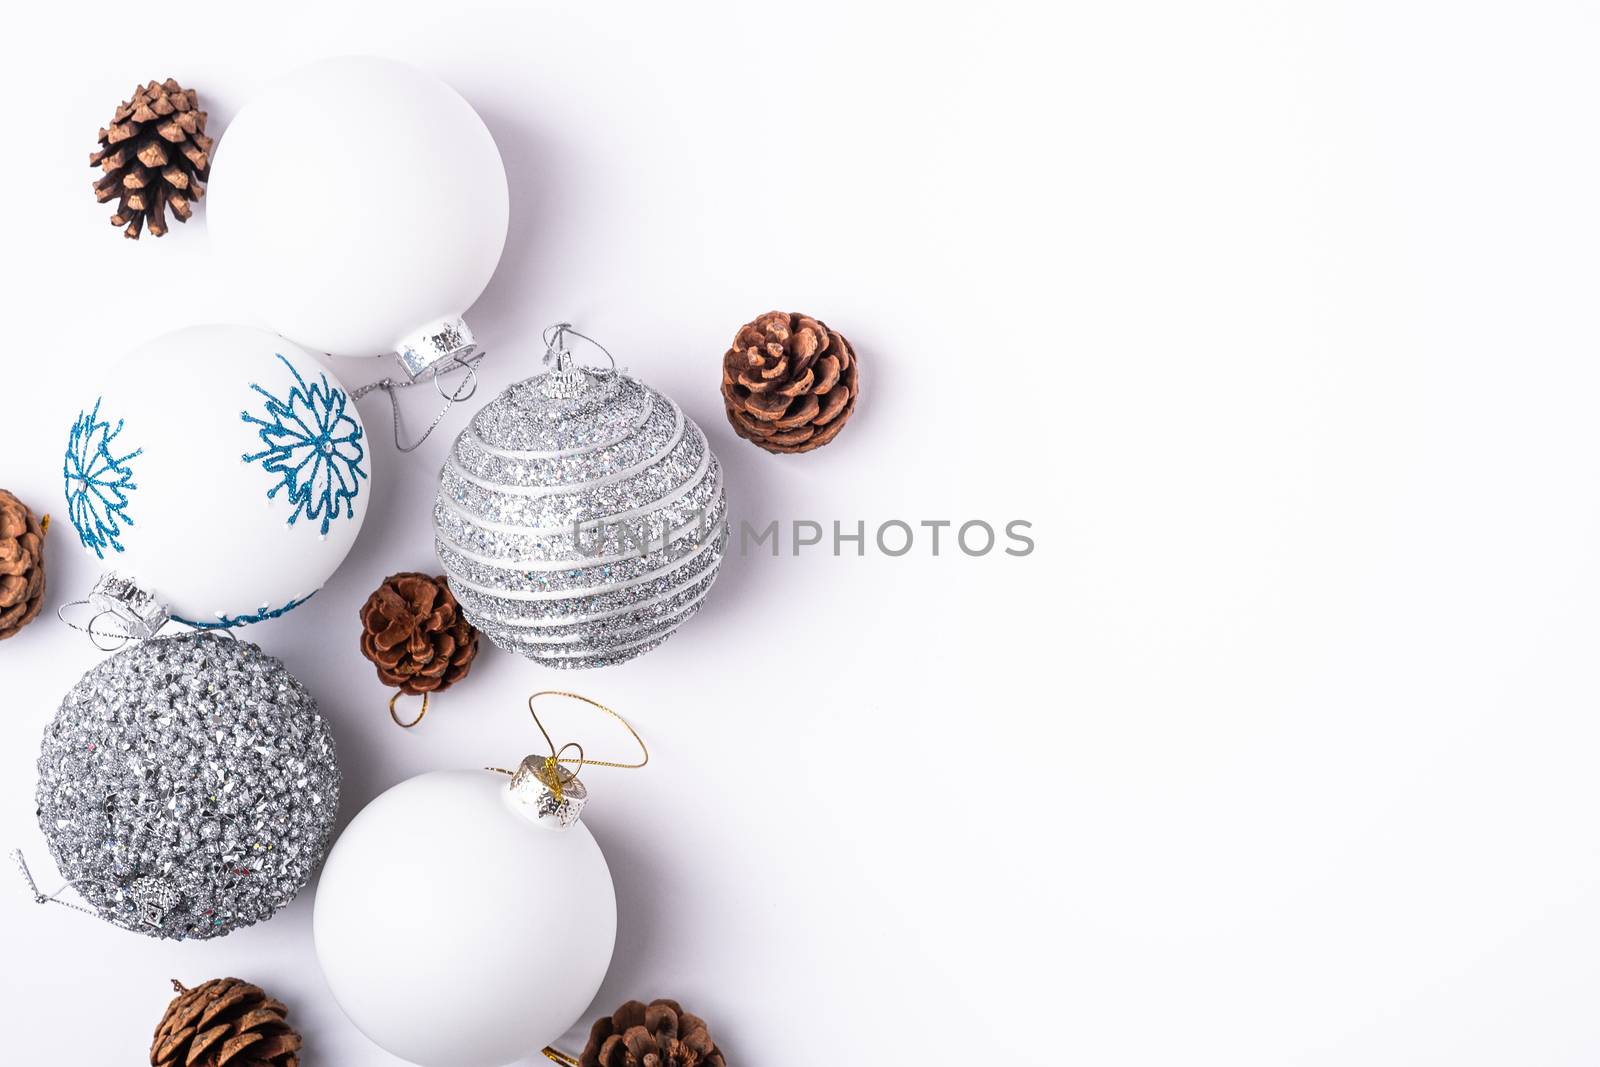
(468, 388)
(559, 356)
(556, 759)
(117, 638)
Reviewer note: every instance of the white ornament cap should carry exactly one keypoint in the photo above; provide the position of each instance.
(546, 793)
(446, 338)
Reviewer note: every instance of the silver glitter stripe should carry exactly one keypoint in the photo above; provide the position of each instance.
(575, 575)
(564, 567)
(533, 614)
(694, 482)
(498, 426)
(625, 624)
(558, 550)
(554, 657)
(454, 466)
(568, 470)
(592, 662)
(506, 591)
(605, 639)
(653, 485)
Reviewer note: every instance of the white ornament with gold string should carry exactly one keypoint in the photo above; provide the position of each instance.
(464, 921)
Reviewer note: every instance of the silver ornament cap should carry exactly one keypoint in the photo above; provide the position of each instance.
(136, 609)
(432, 344)
(547, 794)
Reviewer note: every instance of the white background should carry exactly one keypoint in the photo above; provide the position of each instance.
(1278, 321)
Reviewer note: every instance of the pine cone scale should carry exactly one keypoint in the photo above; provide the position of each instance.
(800, 385)
(800, 415)
(237, 1044)
(167, 1052)
(204, 1040)
(830, 410)
(233, 996)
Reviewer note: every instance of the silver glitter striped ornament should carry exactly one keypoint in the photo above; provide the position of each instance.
(581, 517)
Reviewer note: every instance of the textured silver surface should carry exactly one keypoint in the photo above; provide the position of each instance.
(188, 786)
(581, 518)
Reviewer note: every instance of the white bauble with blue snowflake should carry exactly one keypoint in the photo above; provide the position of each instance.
(223, 470)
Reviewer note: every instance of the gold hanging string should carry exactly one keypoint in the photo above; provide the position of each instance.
(408, 725)
(552, 762)
(552, 765)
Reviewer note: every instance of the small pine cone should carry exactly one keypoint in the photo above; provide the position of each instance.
(224, 1023)
(789, 383)
(658, 1035)
(154, 154)
(21, 565)
(416, 635)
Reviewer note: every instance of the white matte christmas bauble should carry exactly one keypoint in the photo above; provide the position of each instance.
(221, 468)
(357, 202)
(455, 930)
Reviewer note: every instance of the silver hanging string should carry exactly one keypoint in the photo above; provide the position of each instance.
(554, 350)
(462, 392)
(51, 898)
(118, 637)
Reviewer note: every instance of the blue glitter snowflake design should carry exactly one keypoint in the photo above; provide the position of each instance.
(313, 446)
(98, 479)
(229, 621)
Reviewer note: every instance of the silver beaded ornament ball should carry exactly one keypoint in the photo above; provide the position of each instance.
(188, 786)
(581, 517)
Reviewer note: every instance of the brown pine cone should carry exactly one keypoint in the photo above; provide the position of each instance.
(660, 1035)
(155, 154)
(21, 565)
(224, 1023)
(416, 635)
(789, 383)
